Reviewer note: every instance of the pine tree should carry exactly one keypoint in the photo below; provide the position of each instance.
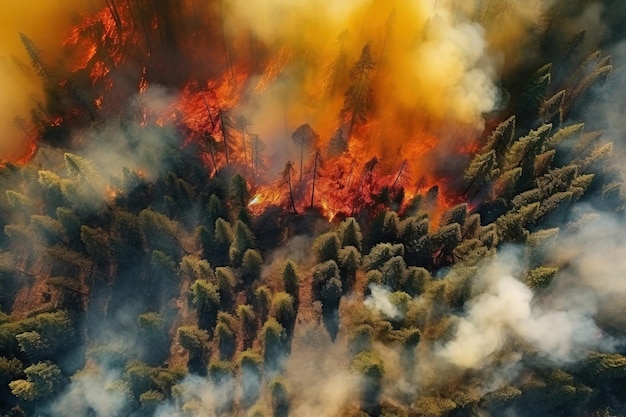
(41, 68)
(257, 146)
(291, 281)
(357, 103)
(305, 137)
(481, 170)
(243, 123)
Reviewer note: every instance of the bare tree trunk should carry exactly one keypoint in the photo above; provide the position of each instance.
(115, 13)
(245, 153)
(224, 136)
(314, 176)
(293, 203)
(301, 158)
(399, 173)
(206, 105)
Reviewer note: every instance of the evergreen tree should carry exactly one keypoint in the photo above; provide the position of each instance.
(251, 265)
(305, 137)
(41, 68)
(251, 365)
(43, 380)
(280, 397)
(357, 103)
(370, 367)
(243, 239)
(326, 247)
(291, 281)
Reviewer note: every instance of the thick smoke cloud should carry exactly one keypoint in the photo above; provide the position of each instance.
(432, 66)
(560, 324)
(507, 309)
(45, 22)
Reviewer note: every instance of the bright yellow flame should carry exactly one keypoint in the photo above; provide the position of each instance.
(437, 63)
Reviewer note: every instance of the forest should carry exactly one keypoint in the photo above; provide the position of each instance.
(312, 208)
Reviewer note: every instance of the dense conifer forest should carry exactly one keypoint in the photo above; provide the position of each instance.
(289, 209)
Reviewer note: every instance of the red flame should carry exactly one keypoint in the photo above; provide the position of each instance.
(366, 175)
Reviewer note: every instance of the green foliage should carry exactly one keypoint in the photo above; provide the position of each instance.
(291, 281)
(114, 354)
(280, 397)
(150, 400)
(96, 243)
(393, 272)
(330, 294)
(512, 225)
(482, 168)
(251, 365)
(380, 254)
(415, 280)
(192, 338)
(251, 265)
(238, 190)
(282, 309)
(326, 247)
(226, 282)
(433, 406)
(369, 364)
(349, 262)
(349, 233)
(324, 271)
(458, 285)
(605, 366)
(243, 239)
(43, 380)
(32, 345)
(263, 297)
(225, 333)
(504, 186)
(501, 397)
(500, 138)
(374, 277)
(456, 214)
(540, 277)
(9, 369)
(160, 232)
(206, 297)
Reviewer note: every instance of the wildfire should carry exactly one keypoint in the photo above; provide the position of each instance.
(380, 151)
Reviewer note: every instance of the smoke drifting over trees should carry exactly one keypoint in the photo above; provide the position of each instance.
(312, 208)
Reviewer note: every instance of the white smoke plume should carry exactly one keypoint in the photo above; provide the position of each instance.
(506, 309)
(379, 300)
(92, 393)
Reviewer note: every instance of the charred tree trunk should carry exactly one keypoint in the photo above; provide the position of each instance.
(314, 177)
(399, 173)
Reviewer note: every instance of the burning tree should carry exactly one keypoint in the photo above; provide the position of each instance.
(304, 137)
(287, 174)
(358, 100)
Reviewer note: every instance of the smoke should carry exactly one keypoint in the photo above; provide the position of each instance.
(436, 66)
(122, 144)
(594, 278)
(506, 309)
(379, 300)
(44, 22)
(92, 393)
